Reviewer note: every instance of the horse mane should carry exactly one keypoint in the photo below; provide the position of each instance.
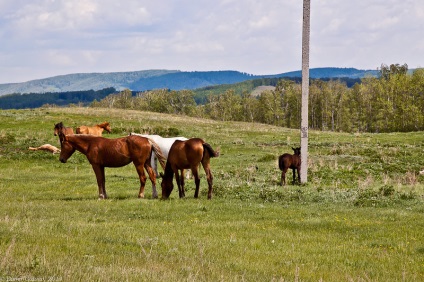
(168, 172)
(158, 152)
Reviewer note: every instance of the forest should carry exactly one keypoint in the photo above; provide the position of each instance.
(36, 100)
(393, 102)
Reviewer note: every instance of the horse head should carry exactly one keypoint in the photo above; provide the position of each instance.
(167, 187)
(58, 128)
(296, 151)
(66, 148)
(106, 126)
(166, 184)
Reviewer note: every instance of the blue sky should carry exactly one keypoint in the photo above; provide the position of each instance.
(43, 38)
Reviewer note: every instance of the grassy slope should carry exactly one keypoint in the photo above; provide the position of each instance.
(359, 218)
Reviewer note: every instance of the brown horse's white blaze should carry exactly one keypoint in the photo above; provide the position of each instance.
(286, 161)
(96, 130)
(187, 155)
(103, 152)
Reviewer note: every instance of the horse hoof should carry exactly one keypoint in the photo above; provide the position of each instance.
(141, 196)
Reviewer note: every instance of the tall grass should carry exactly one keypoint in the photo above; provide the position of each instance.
(359, 218)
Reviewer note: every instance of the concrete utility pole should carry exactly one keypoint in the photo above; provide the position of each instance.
(305, 91)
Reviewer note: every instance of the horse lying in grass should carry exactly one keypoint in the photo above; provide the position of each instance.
(184, 155)
(96, 130)
(46, 147)
(59, 127)
(164, 145)
(286, 161)
(103, 152)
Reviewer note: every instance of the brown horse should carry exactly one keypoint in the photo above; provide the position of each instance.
(94, 130)
(103, 152)
(184, 155)
(59, 127)
(286, 161)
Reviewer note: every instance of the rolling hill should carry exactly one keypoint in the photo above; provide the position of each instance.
(156, 79)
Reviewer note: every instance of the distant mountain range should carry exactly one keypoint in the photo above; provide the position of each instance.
(159, 79)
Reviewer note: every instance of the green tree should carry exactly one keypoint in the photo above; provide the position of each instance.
(270, 109)
(224, 107)
(250, 107)
(393, 69)
(123, 100)
(291, 102)
(180, 102)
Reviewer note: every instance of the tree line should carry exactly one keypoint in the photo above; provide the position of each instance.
(36, 100)
(393, 102)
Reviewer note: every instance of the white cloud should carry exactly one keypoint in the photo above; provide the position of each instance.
(42, 38)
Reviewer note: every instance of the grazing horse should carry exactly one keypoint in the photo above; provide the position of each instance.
(94, 130)
(59, 127)
(286, 161)
(103, 152)
(164, 145)
(184, 155)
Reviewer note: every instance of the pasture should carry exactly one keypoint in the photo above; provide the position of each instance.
(359, 218)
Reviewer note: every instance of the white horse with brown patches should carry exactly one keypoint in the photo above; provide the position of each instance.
(164, 145)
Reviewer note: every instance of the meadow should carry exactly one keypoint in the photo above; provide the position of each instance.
(360, 217)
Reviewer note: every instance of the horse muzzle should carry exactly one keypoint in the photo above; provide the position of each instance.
(62, 160)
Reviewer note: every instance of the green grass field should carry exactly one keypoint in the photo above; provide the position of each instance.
(359, 218)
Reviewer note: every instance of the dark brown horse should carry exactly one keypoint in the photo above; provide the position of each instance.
(94, 130)
(286, 161)
(59, 127)
(187, 155)
(103, 152)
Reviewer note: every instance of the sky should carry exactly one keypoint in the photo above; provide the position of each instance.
(45, 38)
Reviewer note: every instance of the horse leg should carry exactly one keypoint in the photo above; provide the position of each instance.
(152, 177)
(142, 177)
(182, 182)
(209, 177)
(294, 175)
(101, 181)
(155, 163)
(283, 177)
(195, 172)
(298, 174)
(177, 179)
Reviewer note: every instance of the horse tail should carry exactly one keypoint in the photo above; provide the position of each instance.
(212, 153)
(281, 162)
(158, 152)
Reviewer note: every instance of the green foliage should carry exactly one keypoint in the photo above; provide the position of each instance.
(36, 100)
(392, 103)
(358, 217)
